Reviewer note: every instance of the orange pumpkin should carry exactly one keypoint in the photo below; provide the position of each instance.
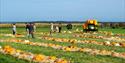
(39, 57)
(8, 49)
(62, 61)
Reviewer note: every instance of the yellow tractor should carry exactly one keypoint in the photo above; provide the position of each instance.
(90, 25)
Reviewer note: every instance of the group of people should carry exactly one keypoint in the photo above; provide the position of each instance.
(30, 29)
(56, 27)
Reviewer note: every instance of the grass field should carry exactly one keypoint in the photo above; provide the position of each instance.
(74, 57)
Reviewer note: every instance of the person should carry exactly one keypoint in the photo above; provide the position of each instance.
(31, 30)
(52, 27)
(60, 27)
(57, 29)
(69, 26)
(34, 27)
(27, 28)
(14, 29)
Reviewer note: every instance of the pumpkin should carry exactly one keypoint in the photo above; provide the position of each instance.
(9, 49)
(105, 52)
(107, 43)
(62, 61)
(113, 43)
(122, 55)
(52, 58)
(122, 44)
(38, 57)
(115, 54)
(67, 49)
(26, 41)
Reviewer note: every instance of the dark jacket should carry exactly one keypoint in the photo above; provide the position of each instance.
(31, 28)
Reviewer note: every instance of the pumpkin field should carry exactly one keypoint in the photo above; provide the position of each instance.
(107, 45)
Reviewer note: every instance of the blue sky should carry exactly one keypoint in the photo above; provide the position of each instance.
(62, 10)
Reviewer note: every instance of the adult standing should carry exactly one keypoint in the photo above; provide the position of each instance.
(34, 27)
(31, 30)
(52, 26)
(14, 29)
(57, 28)
(60, 27)
(27, 28)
